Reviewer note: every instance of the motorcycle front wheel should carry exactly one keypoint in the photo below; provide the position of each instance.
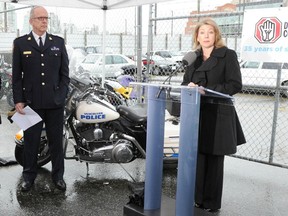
(43, 154)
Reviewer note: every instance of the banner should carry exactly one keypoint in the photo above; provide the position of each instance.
(265, 35)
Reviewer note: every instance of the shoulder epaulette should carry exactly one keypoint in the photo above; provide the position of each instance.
(23, 36)
(56, 36)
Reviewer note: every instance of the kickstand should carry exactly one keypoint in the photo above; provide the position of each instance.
(87, 166)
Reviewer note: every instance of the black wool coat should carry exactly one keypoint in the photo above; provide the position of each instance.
(40, 78)
(219, 129)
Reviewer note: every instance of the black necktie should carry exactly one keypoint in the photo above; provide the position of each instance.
(40, 43)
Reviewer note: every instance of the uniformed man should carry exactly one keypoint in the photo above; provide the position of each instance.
(40, 80)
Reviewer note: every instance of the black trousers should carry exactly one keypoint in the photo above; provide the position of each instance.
(53, 119)
(209, 180)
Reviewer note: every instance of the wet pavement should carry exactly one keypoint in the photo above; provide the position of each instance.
(250, 188)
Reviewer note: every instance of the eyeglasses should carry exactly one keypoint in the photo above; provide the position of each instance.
(41, 18)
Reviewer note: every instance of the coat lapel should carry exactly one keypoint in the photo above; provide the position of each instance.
(32, 41)
(213, 59)
(208, 64)
(48, 42)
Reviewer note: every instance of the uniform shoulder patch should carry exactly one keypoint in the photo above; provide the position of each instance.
(54, 36)
(20, 37)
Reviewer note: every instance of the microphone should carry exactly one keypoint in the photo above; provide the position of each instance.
(188, 59)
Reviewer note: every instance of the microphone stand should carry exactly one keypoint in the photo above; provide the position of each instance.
(169, 78)
(172, 74)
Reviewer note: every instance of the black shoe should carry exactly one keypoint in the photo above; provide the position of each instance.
(197, 205)
(211, 210)
(26, 185)
(60, 184)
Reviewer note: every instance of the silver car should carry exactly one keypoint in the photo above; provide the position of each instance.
(93, 63)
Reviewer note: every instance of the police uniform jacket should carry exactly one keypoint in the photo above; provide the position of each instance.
(40, 77)
(219, 129)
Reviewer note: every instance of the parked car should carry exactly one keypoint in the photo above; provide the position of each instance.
(160, 66)
(93, 63)
(263, 75)
(169, 55)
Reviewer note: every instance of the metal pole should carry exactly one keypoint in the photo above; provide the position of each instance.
(275, 115)
(139, 52)
(149, 45)
(103, 49)
(172, 24)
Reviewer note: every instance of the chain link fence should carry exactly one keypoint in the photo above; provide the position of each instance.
(262, 104)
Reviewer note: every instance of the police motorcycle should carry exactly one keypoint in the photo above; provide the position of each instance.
(99, 127)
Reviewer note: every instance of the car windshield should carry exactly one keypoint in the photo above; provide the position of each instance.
(265, 65)
(175, 53)
(98, 49)
(164, 54)
(157, 58)
(251, 65)
(91, 59)
(271, 65)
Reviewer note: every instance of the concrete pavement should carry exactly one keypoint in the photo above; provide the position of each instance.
(250, 188)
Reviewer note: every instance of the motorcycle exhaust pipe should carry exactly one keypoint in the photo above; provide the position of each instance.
(133, 140)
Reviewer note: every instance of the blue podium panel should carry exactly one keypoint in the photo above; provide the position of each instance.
(154, 148)
(189, 124)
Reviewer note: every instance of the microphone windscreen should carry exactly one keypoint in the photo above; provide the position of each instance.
(189, 58)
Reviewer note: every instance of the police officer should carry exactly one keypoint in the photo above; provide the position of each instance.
(40, 80)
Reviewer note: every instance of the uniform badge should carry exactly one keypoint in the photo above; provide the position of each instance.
(55, 48)
(27, 52)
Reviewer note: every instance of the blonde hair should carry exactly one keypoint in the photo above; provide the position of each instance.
(218, 38)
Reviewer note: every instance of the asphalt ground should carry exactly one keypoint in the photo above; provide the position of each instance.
(250, 188)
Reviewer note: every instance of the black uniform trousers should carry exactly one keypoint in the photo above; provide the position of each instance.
(209, 180)
(53, 119)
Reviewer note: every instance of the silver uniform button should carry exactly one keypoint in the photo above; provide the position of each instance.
(43, 83)
(42, 54)
(42, 64)
(42, 74)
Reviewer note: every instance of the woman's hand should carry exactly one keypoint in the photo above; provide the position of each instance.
(200, 89)
(191, 84)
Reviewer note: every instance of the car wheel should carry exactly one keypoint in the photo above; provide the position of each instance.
(156, 71)
(285, 91)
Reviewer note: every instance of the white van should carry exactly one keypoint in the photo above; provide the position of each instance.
(263, 75)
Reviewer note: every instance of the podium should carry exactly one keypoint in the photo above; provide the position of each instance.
(156, 204)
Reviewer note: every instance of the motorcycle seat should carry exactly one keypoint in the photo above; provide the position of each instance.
(136, 113)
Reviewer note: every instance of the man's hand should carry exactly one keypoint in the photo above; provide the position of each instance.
(19, 108)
